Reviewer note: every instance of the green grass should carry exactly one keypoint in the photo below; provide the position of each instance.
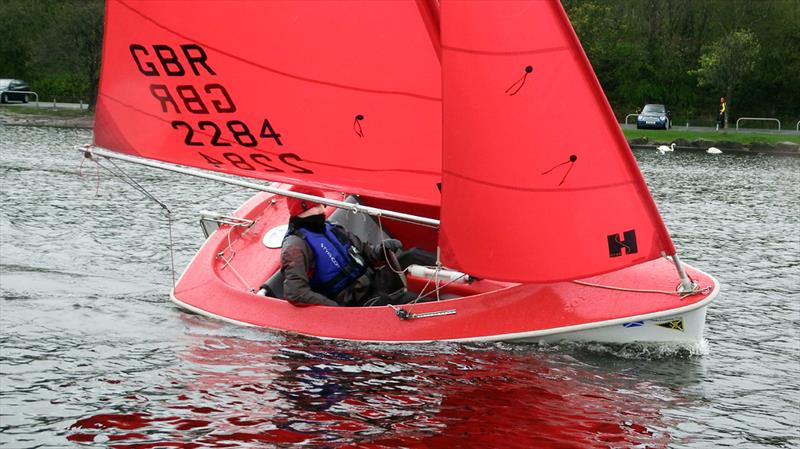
(662, 136)
(44, 110)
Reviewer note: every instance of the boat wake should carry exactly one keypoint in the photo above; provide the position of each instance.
(628, 351)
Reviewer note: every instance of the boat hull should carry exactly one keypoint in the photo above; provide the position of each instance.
(636, 304)
(686, 327)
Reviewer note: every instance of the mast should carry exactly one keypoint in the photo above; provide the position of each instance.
(687, 284)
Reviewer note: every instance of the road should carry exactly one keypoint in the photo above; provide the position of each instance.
(784, 131)
(49, 105)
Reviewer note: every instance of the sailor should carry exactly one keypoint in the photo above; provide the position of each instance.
(323, 263)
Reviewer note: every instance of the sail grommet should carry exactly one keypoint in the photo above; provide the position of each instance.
(357, 125)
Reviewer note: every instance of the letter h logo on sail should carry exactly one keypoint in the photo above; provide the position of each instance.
(628, 241)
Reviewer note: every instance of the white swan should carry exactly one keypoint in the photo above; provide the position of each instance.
(714, 150)
(663, 148)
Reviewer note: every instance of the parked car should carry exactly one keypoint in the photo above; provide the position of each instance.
(10, 90)
(654, 116)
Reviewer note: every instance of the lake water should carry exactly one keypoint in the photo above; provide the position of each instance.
(94, 355)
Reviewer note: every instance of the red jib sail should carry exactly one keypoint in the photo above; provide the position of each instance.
(539, 183)
(320, 93)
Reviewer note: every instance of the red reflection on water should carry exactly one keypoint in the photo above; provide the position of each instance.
(125, 421)
(82, 437)
(232, 391)
(127, 436)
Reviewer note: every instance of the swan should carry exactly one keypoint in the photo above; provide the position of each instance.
(663, 148)
(714, 150)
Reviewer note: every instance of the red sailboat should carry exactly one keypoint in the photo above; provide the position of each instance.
(446, 126)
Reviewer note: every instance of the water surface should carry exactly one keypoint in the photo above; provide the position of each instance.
(92, 353)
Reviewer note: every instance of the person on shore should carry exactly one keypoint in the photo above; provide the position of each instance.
(721, 116)
(325, 264)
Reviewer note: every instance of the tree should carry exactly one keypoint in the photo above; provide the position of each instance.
(69, 50)
(727, 62)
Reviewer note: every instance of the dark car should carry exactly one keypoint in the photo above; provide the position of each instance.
(654, 116)
(11, 90)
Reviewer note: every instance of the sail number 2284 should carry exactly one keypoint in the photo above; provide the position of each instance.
(185, 61)
(207, 132)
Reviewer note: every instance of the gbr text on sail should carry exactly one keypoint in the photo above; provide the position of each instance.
(213, 129)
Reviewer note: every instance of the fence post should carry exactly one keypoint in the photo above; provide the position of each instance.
(763, 119)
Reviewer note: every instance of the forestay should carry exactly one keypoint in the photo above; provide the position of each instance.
(539, 183)
(320, 93)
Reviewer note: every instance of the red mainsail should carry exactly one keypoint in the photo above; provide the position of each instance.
(539, 184)
(321, 93)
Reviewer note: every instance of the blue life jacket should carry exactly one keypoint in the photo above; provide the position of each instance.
(337, 261)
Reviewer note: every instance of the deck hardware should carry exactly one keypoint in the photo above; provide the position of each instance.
(405, 315)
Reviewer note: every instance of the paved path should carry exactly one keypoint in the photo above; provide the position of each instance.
(708, 129)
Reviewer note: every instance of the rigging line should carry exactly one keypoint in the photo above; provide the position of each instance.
(385, 255)
(276, 71)
(80, 167)
(637, 290)
(97, 179)
(126, 178)
(133, 183)
(405, 314)
(171, 248)
(229, 263)
(438, 287)
(421, 294)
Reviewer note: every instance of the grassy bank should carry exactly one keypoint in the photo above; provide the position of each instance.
(20, 115)
(45, 111)
(662, 136)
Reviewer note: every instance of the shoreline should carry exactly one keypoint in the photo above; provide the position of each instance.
(726, 146)
(640, 143)
(15, 119)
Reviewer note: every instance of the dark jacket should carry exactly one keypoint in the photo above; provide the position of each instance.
(297, 266)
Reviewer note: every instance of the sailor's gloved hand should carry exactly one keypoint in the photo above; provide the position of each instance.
(393, 245)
